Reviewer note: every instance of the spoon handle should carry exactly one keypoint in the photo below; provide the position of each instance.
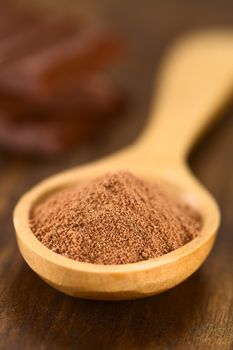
(195, 83)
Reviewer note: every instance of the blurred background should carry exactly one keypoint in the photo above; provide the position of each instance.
(77, 77)
(76, 82)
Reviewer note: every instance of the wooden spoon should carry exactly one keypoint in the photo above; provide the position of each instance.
(196, 81)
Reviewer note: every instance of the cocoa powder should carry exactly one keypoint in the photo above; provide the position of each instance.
(115, 219)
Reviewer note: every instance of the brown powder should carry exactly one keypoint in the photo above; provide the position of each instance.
(116, 219)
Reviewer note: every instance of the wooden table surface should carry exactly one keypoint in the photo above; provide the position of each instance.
(198, 314)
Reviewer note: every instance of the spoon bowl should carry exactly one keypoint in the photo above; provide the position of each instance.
(158, 156)
(126, 281)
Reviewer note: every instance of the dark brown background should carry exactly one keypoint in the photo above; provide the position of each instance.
(195, 315)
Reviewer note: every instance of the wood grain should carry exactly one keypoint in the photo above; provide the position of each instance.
(195, 315)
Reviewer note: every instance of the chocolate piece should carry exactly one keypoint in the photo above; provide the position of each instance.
(42, 138)
(13, 20)
(92, 95)
(51, 55)
(32, 38)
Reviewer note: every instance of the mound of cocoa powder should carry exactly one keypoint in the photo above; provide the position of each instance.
(115, 219)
